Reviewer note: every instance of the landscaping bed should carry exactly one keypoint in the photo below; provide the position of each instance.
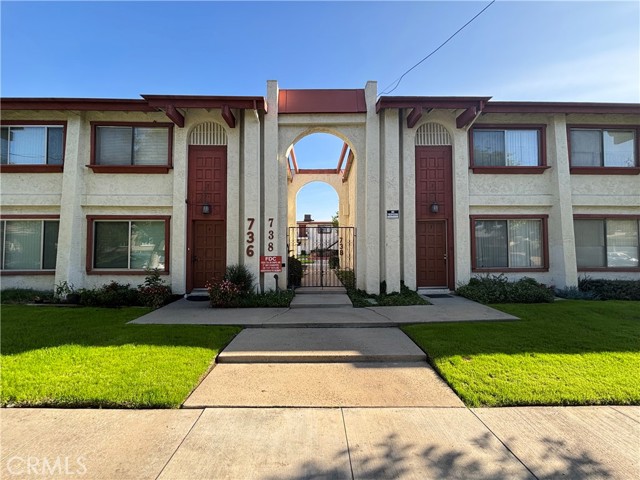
(573, 352)
(90, 357)
(360, 298)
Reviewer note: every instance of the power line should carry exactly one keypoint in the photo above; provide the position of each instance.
(397, 82)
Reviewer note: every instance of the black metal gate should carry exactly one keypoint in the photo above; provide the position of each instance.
(321, 256)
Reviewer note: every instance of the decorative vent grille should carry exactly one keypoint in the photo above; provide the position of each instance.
(210, 133)
(431, 134)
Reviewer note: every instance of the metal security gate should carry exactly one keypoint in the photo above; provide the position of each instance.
(323, 256)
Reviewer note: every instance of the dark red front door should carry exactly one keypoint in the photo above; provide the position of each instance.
(207, 214)
(434, 230)
(432, 253)
(208, 252)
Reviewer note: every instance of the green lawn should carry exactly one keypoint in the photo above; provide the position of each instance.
(564, 353)
(57, 356)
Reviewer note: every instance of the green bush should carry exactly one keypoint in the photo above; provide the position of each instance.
(334, 261)
(294, 272)
(574, 293)
(154, 292)
(498, 289)
(111, 295)
(25, 295)
(281, 298)
(240, 276)
(610, 289)
(348, 278)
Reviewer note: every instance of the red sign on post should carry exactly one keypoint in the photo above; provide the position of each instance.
(270, 264)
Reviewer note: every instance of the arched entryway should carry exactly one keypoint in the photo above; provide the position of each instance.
(434, 208)
(206, 204)
(322, 239)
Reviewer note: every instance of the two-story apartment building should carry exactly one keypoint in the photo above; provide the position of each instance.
(437, 189)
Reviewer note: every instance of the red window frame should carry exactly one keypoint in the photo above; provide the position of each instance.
(37, 168)
(132, 168)
(545, 243)
(579, 170)
(512, 170)
(91, 219)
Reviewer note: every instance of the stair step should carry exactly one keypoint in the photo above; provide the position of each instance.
(321, 345)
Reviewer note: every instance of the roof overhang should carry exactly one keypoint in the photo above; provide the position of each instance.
(472, 107)
(169, 104)
(562, 107)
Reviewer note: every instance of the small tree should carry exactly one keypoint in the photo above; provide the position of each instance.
(334, 220)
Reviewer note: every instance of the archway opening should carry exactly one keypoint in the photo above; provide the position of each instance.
(321, 191)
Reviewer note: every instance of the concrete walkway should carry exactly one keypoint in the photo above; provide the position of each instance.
(450, 309)
(330, 443)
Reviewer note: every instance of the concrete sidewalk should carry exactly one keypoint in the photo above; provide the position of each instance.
(305, 443)
(449, 309)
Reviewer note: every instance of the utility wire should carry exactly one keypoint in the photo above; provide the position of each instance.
(397, 82)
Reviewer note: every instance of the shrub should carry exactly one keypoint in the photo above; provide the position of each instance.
(281, 298)
(611, 289)
(294, 272)
(240, 276)
(154, 292)
(498, 289)
(334, 261)
(574, 293)
(348, 278)
(112, 295)
(25, 295)
(224, 294)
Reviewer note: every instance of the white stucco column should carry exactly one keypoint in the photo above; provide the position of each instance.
(369, 244)
(562, 248)
(461, 229)
(72, 234)
(391, 169)
(274, 223)
(178, 265)
(408, 211)
(251, 239)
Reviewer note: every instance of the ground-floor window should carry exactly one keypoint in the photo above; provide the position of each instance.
(509, 243)
(607, 242)
(128, 244)
(29, 244)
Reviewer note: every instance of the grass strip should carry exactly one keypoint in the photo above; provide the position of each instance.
(564, 353)
(90, 357)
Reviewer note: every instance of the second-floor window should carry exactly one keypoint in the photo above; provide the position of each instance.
(505, 147)
(602, 147)
(31, 145)
(131, 145)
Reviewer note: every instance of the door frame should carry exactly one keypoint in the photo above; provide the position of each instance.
(193, 215)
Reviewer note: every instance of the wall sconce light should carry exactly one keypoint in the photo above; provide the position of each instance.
(206, 209)
(434, 207)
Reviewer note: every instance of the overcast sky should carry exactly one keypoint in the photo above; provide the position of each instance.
(552, 51)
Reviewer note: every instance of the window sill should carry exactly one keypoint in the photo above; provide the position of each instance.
(26, 272)
(605, 170)
(130, 168)
(123, 272)
(609, 269)
(31, 168)
(510, 170)
(508, 270)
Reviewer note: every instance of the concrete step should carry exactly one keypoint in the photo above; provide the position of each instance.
(319, 290)
(433, 291)
(321, 301)
(323, 385)
(321, 345)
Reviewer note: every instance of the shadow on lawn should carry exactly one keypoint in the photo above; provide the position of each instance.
(483, 458)
(33, 328)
